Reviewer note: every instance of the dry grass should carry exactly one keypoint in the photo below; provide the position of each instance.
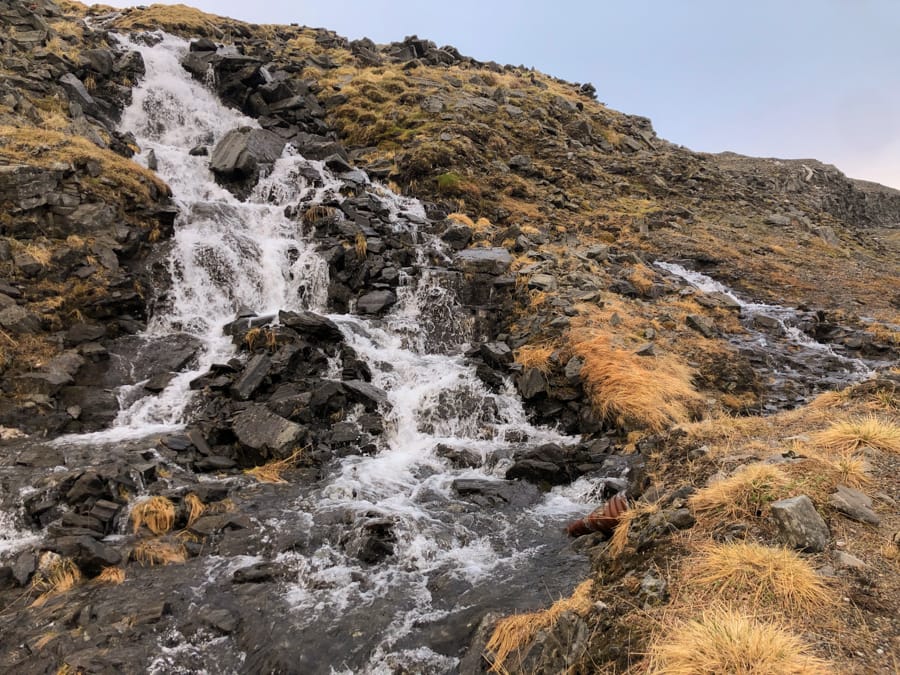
(173, 18)
(724, 641)
(515, 632)
(742, 495)
(631, 390)
(43, 148)
(759, 576)
(535, 356)
(867, 431)
(619, 539)
(157, 513)
(111, 575)
(361, 246)
(58, 576)
(273, 470)
(153, 552)
(196, 508)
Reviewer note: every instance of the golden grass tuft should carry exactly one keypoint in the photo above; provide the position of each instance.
(761, 576)
(196, 507)
(513, 633)
(273, 470)
(111, 575)
(725, 641)
(59, 576)
(157, 513)
(742, 495)
(43, 148)
(867, 431)
(619, 539)
(535, 356)
(632, 390)
(153, 552)
(360, 245)
(462, 219)
(172, 18)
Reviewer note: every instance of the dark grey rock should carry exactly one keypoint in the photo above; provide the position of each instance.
(701, 324)
(203, 45)
(367, 394)
(854, 504)
(483, 261)
(531, 383)
(260, 573)
(497, 492)
(243, 151)
(310, 323)
(18, 320)
(251, 377)
(259, 428)
(497, 354)
(375, 301)
(799, 524)
(90, 555)
(457, 235)
(84, 332)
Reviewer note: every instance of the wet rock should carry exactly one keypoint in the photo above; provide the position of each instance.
(368, 394)
(531, 383)
(371, 539)
(486, 492)
(312, 324)
(497, 354)
(270, 434)
(214, 463)
(251, 377)
(799, 524)
(337, 164)
(854, 504)
(243, 152)
(24, 567)
(459, 457)
(259, 573)
(158, 383)
(457, 235)
(375, 301)
(203, 45)
(90, 555)
(493, 261)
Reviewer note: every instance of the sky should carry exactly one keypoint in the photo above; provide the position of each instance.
(772, 78)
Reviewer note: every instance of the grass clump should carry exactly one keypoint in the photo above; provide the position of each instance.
(535, 356)
(273, 470)
(195, 507)
(154, 552)
(172, 18)
(724, 641)
(56, 576)
(157, 513)
(867, 431)
(515, 632)
(111, 575)
(637, 391)
(760, 575)
(743, 495)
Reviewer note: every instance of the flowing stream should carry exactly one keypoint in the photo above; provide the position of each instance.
(799, 365)
(451, 559)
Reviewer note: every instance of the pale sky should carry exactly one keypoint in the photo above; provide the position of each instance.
(773, 78)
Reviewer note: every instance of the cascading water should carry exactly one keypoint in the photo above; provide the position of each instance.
(451, 560)
(791, 354)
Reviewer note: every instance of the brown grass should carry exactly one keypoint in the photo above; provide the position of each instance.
(742, 495)
(196, 508)
(172, 18)
(60, 575)
(867, 431)
(111, 575)
(157, 513)
(535, 356)
(273, 470)
(153, 552)
(630, 390)
(513, 633)
(759, 576)
(619, 539)
(724, 641)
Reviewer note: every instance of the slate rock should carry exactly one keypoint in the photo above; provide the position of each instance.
(483, 261)
(799, 524)
(310, 323)
(375, 302)
(854, 504)
(487, 492)
(272, 435)
(242, 151)
(90, 555)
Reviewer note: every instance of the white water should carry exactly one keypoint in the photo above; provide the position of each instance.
(781, 315)
(230, 255)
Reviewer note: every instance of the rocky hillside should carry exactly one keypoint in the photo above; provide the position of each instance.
(734, 411)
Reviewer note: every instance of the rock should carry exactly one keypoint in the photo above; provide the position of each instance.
(214, 463)
(854, 504)
(242, 152)
(24, 567)
(203, 45)
(519, 163)
(371, 539)
(337, 164)
(46, 384)
(259, 573)
(459, 457)
(485, 492)
(18, 320)
(310, 323)
(84, 332)
(367, 394)
(375, 301)
(777, 219)
(483, 261)
(272, 435)
(457, 235)
(701, 324)
(799, 524)
(843, 560)
(497, 354)
(542, 282)
(251, 377)
(531, 383)
(90, 555)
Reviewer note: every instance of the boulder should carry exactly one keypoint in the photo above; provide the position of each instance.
(531, 383)
(89, 554)
(270, 434)
(241, 153)
(18, 320)
(375, 301)
(367, 394)
(312, 324)
(483, 261)
(799, 524)
(486, 492)
(251, 377)
(854, 504)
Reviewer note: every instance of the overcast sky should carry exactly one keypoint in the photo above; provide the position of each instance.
(773, 78)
